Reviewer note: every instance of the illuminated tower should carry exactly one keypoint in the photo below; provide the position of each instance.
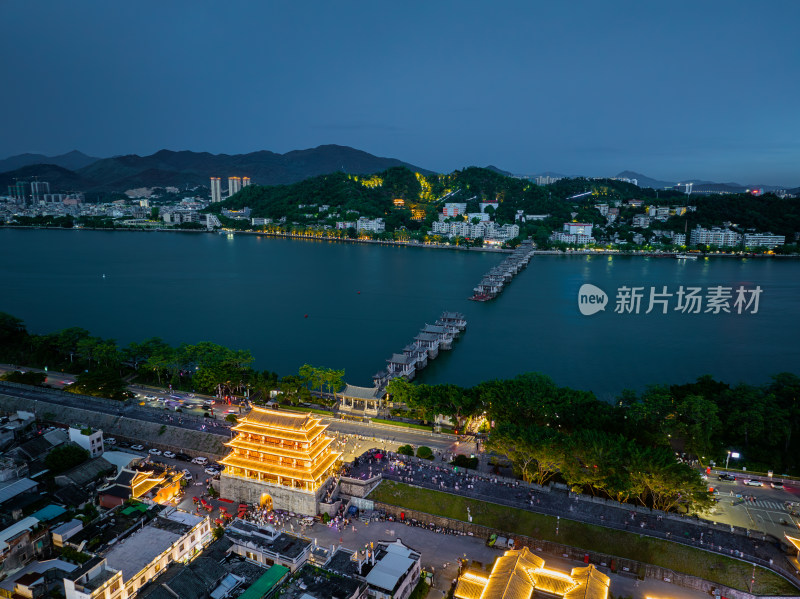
(216, 190)
(245, 181)
(280, 459)
(234, 185)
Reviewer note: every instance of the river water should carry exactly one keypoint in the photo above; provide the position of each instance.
(351, 306)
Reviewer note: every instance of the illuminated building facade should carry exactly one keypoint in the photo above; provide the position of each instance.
(234, 185)
(245, 181)
(519, 574)
(216, 189)
(279, 459)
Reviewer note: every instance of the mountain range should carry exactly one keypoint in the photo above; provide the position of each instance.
(189, 169)
(75, 171)
(71, 160)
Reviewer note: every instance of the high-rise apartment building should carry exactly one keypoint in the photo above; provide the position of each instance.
(245, 181)
(234, 185)
(19, 191)
(38, 189)
(216, 190)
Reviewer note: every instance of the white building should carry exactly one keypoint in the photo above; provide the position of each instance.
(131, 562)
(91, 440)
(481, 216)
(374, 225)
(578, 229)
(640, 220)
(715, 236)
(561, 237)
(767, 240)
(602, 208)
(454, 209)
(234, 185)
(546, 179)
(216, 190)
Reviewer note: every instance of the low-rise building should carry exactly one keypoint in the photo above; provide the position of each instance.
(526, 572)
(22, 542)
(715, 236)
(767, 240)
(91, 440)
(372, 225)
(640, 220)
(36, 579)
(391, 570)
(266, 546)
(150, 482)
(573, 228)
(129, 563)
(454, 209)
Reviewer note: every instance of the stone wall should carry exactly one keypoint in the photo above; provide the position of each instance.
(611, 563)
(354, 487)
(151, 434)
(242, 490)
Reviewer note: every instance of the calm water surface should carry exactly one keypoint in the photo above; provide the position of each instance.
(350, 306)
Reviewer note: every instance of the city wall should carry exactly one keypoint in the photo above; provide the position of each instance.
(151, 434)
(608, 562)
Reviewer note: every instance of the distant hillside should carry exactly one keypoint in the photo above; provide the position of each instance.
(494, 169)
(180, 169)
(644, 180)
(72, 160)
(60, 179)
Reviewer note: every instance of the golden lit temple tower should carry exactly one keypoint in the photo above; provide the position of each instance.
(280, 459)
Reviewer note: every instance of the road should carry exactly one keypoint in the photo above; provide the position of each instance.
(764, 512)
(353, 438)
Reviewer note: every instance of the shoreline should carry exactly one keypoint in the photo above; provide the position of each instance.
(432, 246)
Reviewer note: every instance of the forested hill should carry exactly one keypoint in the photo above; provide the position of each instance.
(373, 196)
(348, 196)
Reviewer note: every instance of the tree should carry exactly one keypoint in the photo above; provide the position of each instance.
(64, 457)
(100, 382)
(405, 450)
(537, 453)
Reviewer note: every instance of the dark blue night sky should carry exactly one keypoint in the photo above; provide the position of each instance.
(680, 89)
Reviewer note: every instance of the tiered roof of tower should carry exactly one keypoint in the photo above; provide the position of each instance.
(281, 448)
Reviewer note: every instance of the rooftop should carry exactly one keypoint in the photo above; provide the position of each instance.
(36, 568)
(13, 489)
(284, 544)
(327, 586)
(362, 392)
(139, 549)
(266, 582)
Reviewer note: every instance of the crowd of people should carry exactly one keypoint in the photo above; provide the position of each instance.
(515, 493)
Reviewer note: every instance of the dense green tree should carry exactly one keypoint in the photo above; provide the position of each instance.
(64, 457)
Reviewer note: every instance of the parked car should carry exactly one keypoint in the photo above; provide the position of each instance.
(110, 441)
(201, 461)
(726, 476)
(183, 457)
(211, 471)
(753, 483)
(137, 447)
(169, 454)
(777, 485)
(155, 451)
(187, 475)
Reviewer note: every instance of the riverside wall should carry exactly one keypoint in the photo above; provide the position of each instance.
(121, 427)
